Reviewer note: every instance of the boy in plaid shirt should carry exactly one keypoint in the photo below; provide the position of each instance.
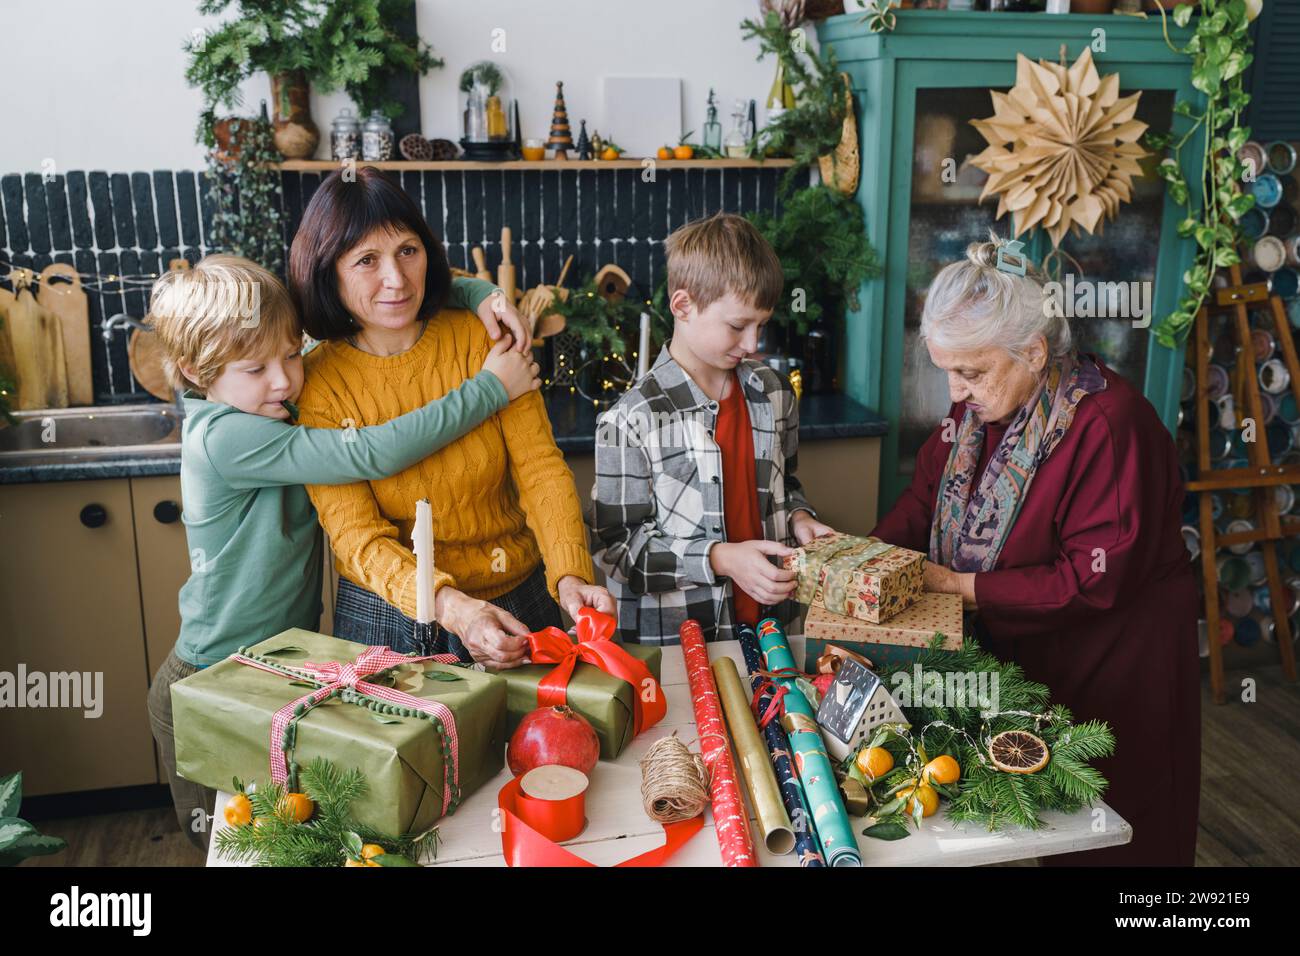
(695, 488)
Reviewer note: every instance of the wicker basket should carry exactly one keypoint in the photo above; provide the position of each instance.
(841, 169)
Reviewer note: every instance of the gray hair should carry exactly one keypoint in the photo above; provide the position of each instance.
(973, 305)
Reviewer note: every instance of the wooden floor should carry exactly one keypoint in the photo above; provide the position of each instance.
(1250, 772)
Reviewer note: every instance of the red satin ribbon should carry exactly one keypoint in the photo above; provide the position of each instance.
(524, 846)
(595, 628)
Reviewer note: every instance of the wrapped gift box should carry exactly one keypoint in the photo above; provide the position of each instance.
(897, 641)
(863, 578)
(604, 700)
(222, 717)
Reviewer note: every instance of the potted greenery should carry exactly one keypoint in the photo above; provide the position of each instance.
(332, 43)
(821, 126)
(18, 838)
(1220, 52)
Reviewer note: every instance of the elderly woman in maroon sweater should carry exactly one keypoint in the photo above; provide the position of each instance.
(1050, 500)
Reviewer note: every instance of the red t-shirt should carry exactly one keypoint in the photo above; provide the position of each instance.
(735, 438)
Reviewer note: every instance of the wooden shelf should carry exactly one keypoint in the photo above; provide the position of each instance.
(328, 165)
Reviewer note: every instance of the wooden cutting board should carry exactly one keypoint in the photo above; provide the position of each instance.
(146, 357)
(36, 340)
(62, 295)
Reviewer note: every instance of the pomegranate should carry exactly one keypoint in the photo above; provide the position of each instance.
(553, 735)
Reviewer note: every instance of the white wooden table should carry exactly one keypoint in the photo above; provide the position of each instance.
(618, 828)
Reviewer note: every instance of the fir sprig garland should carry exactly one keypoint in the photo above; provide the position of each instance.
(820, 238)
(328, 838)
(984, 793)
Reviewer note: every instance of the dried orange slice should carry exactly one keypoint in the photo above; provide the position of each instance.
(1018, 751)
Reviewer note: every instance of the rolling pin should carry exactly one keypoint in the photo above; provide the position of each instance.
(506, 271)
(480, 261)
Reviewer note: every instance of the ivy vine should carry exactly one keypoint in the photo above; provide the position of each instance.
(247, 196)
(1220, 53)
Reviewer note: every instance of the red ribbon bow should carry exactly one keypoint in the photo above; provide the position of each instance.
(595, 628)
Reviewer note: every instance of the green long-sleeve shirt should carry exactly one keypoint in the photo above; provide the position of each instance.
(254, 542)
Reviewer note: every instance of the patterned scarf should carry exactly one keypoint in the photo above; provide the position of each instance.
(968, 531)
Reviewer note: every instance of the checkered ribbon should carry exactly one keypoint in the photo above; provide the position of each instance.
(336, 676)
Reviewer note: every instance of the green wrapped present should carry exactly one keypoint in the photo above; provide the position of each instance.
(607, 702)
(238, 718)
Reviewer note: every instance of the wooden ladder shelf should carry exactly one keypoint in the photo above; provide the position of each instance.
(1261, 475)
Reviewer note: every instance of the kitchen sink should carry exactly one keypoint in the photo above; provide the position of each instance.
(46, 436)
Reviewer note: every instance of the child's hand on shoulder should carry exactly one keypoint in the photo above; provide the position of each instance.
(495, 311)
(518, 372)
(747, 564)
(806, 527)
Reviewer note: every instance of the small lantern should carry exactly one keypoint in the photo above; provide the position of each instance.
(487, 111)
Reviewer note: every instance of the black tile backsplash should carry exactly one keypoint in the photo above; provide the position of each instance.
(136, 222)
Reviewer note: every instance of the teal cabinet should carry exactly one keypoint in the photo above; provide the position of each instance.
(918, 87)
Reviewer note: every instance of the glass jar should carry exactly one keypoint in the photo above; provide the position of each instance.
(345, 136)
(377, 138)
(487, 111)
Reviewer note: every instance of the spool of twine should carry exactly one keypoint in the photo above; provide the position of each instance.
(674, 781)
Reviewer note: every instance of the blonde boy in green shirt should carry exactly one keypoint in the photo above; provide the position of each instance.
(231, 334)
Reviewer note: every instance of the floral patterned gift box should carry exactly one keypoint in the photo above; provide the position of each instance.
(864, 578)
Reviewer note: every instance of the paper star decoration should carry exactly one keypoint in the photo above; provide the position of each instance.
(1062, 147)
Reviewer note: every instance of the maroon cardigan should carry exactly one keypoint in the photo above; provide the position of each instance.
(1118, 645)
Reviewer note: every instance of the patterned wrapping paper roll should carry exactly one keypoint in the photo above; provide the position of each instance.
(806, 845)
(813, 763)
(730, 818)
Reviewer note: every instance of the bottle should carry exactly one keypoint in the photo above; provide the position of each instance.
(712, 128)
(736, 144)
(781, 97)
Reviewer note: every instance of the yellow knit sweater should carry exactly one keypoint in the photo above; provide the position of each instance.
(502, 497)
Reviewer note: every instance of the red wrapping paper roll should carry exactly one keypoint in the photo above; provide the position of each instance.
(730, 818)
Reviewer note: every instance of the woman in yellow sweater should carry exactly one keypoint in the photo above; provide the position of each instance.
(370, 280)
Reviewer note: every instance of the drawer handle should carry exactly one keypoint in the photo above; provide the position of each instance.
(94, 516)
(166, 512)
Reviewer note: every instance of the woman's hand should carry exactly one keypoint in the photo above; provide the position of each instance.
(495, 311)
(806, 527)
(575, 594)
(493, 637)
(946, 581)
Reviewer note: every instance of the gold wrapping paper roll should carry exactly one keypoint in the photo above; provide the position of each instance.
(755, 763)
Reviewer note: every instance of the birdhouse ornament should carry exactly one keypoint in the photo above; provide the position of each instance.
(854, 706)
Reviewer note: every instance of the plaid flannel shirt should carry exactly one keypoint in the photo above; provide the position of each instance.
(657, 504)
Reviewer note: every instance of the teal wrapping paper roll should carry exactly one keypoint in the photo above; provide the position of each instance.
(816, 772)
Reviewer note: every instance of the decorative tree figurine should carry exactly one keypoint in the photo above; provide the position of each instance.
(561, 137)
(584, 144)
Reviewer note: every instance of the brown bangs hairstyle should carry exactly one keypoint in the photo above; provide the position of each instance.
(342, 213)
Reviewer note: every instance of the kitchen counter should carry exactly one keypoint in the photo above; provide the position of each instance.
(573, 420)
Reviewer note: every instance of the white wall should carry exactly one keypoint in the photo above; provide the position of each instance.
(99, 84)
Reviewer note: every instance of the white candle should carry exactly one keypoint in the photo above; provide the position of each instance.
(643, 350)
(422, 541)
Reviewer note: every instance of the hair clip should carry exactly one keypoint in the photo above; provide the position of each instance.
(1010, 258)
